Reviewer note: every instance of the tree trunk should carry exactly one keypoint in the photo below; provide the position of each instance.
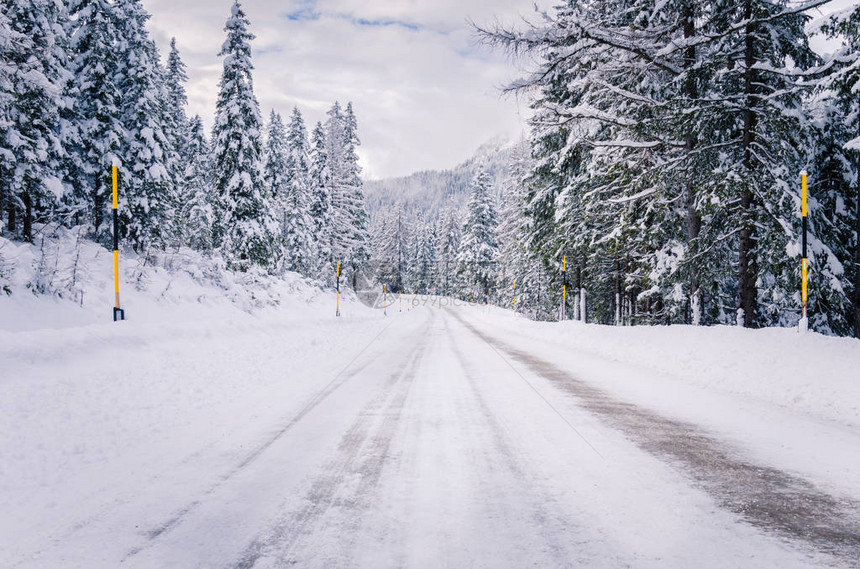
(747, 269)
(12, 210)
(617, 293)
(583, 296)
(98, 213)
(2, 198)
(694, 221)
(857, 258)
(28, 217)
(583, 300)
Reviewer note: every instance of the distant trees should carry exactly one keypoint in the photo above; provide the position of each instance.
(82, 88)
(448, 235)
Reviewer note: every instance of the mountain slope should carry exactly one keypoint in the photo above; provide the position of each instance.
(427, 191)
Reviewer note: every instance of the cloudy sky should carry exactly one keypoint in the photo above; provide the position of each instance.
(425, 93)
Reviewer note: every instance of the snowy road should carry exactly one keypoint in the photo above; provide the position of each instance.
(441, 439)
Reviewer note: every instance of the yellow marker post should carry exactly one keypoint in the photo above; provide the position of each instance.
(337, 291)
(515, 295)
(564, 287)
(804, 321)
(118, 313)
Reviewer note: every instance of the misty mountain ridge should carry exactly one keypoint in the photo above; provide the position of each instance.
(427, 191)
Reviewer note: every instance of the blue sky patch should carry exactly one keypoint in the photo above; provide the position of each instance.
(305, 14)
(386, 23)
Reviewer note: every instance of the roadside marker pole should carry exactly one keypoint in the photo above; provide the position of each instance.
(118, 313)
(515, 295)
(384, 300)
(337, 289)
(804, 320)
(564, 287)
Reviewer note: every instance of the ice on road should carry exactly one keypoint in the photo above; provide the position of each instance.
(430, 438)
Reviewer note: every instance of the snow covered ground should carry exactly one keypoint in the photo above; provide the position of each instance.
(225, 432)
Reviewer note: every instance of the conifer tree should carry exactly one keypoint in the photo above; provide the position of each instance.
(517, 260)
(658, 216)
(177, 129)
(321, 203)
(148, 160)
(334, 153)
(392, 257)
(349, 216)
(423, 255)
(245, 227)
(839, 149)
(98, 116)
(356, 205)
(177, 99)
(34, 76)
(447, 247)
(197, 215)
(300, 249)
(275, 169)
(478, 254)
(8, 40)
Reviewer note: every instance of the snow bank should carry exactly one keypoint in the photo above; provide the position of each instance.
(809, 373)
(64, 280)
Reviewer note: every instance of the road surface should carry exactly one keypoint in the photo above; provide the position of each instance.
(439, 441)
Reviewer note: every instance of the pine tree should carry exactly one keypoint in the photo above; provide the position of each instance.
(759, 173)
(8, 40)
(478, 255)
(515, 256)
(447, 247)
(177, 99)
(197, 215)
(275, 169)
(95, 32)
(34, 77)
(423, 255)
(334, 153)
(321, 203)
(839, 152)
(659, 217)
(178, 130)
(391, 250)
(299, 239)
(245, 227)
(349, 216)
(148, 160)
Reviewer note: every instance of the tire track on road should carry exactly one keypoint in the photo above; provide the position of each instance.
(763, 496)
(348, 372)
(362, 453)
(539, 515)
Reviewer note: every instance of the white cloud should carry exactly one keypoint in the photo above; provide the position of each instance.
(425, 94)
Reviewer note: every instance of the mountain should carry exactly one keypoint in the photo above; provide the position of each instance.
(427, 191)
